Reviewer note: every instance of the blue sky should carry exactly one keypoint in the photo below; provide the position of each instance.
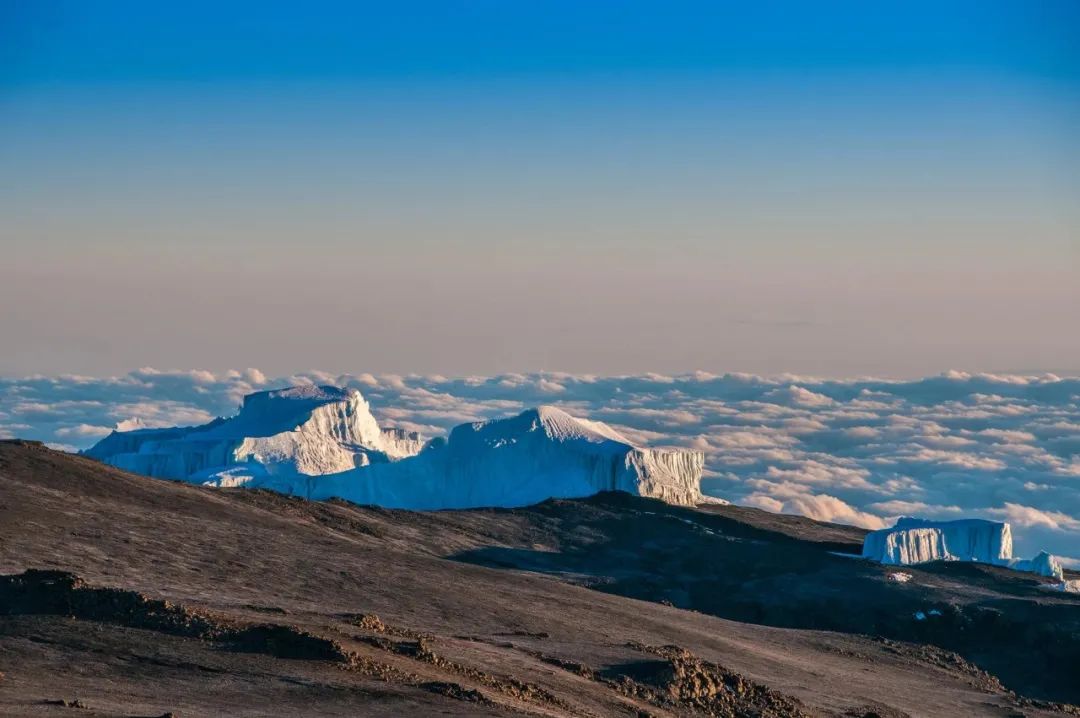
(833, 188)
(74, 42)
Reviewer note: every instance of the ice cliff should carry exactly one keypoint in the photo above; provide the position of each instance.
(914, 540)
(323, 442)
(917, 541)
(539, 454)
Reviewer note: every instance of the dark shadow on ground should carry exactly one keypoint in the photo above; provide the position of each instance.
(1006, 622)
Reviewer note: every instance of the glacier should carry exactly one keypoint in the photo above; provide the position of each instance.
(913, 541)
(300, 431)
(538, 454)
(323, 442)
(1044, 565)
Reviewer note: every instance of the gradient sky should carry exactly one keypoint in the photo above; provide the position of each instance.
(831, 188)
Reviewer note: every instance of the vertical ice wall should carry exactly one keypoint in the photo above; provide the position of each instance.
(913, 541)
(918, 541)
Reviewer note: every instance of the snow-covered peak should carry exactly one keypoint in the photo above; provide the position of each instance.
(538, 454)
(561, 426)
(339, 414)
(321, 442)
(304, 430)
(552, 421)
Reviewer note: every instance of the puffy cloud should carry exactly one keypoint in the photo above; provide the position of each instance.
(822, 507)
(1028, 516)
(974, 462)
(832, 474)
(798, 396)
(1007, 436)
(858, 451)
(862, 433)
(763, 438)
(898, 507)
(644, 417)
(764, 501)
(83, 431)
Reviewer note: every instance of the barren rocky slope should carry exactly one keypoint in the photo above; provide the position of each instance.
(136, 596)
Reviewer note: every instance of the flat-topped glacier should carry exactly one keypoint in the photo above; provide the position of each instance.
(914, 540)
(323, 442)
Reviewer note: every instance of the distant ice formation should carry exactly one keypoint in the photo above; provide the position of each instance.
(1044, 565)
(540, 453)
(913, 541)
(323, 442)
(305, 430)
(917, 541)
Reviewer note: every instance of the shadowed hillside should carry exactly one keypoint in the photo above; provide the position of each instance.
(138, 596)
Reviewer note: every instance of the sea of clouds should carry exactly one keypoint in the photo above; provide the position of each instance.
(858, 451)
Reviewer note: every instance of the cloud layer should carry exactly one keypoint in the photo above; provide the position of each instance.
(859, 451)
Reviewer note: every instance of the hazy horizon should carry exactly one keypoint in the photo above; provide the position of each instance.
(837, 191)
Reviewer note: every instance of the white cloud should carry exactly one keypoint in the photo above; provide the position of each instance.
(815, 472)
(550, 387)
(83, 431)
(859, 451)
(862, 432)
(1028, 516)
(822, 507)
(798, 396)
(1007, 436)
(897, 507)
(764, 501)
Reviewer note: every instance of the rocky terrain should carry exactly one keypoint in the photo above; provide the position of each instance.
(122, 595)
